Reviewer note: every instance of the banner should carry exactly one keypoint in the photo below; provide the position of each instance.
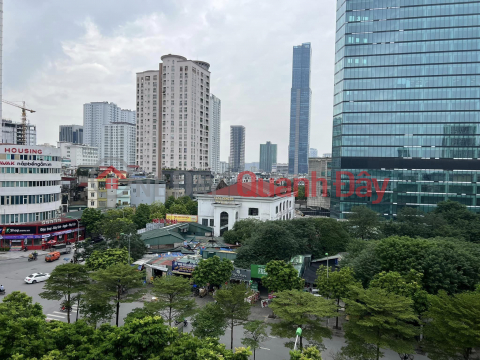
(258, 271)
(182, 268)
(182, 218)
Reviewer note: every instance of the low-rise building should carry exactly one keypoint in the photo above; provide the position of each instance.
(321, 166)
(259, 200)
(75, 155)
(147, 191)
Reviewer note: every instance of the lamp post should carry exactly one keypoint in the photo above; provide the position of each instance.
(327, 264)
(123, 234)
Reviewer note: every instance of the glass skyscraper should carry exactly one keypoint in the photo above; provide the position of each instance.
(300, 110)
(407, 104)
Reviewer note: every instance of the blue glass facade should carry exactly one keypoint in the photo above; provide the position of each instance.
(407, 104)
(301, 95)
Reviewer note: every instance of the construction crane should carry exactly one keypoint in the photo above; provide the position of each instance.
(22, 140)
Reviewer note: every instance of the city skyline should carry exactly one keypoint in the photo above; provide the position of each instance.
(81, 66)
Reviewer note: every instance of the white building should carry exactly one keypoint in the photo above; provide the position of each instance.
(183, 107)
(11, 133)
(147, 191)
(96, 116)
(76, 155)
(29, 183)
(280, 168)
(264, 201)
(148, 151)
(216, 119)
(118, 145)
(223, 167)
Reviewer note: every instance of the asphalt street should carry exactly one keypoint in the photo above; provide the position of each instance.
(13, 273)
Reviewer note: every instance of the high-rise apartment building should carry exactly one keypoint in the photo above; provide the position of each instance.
(300, 110)
(75, 155)
(183, 98)
(97, 116)
(216, 118)
(71, 133)
(313, 153)
(406, 104)
(119, 145)
(1, 56)
(237, 148)
(268, 156)
(11, 133)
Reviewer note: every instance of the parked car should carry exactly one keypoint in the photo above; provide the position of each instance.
(36, 277)
(52, 256)
(62, 248)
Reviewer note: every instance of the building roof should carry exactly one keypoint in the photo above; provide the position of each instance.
(250, 189)
(159, 233)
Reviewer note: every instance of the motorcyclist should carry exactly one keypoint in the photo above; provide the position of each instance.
(35, 254)
(2, 289)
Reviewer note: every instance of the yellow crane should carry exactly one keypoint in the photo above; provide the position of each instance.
(22, 140)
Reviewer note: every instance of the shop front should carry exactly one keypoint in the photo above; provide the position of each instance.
(41, 235)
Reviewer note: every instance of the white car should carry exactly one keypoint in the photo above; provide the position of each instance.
(36, 277)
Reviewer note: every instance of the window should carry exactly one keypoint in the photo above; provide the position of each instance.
(253, 211)
(276, 210)
(211, 223)
(205, 222)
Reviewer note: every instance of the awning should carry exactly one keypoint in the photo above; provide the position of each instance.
(158, 267)
(310, 273)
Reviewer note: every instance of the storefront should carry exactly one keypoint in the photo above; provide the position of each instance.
(41, 235)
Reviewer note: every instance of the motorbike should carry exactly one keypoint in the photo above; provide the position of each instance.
(32, 257)
(25, 249)
(63, 308)
(2, 292)
(185, 323)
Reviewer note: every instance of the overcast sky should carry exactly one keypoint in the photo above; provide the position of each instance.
(60, 54)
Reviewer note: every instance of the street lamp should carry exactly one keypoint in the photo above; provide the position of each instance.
(327, 264)
(123, 234)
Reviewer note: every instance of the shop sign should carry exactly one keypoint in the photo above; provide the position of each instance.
(181, 267)
(11, 230)
(182, 218)
(258, 271)
(57, 227)
(224, 200)
(240, 274)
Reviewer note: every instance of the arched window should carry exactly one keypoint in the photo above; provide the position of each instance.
(223, 222)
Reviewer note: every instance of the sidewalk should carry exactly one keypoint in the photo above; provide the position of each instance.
(12, 255)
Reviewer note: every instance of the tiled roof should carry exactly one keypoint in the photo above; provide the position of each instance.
(250, 189)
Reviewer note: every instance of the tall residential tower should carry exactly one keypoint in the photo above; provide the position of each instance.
(268, 156)
(237, 148)
(180, 99)
(300, 110)
(406, 105)
(216, 120)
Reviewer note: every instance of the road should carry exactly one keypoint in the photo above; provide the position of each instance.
(13, 273)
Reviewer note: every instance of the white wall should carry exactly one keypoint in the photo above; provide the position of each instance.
(146, 193)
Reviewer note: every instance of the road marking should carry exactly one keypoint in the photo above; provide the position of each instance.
(273, 337)
(62, 317)
(263, 348)
(51, 319)
(62, 313)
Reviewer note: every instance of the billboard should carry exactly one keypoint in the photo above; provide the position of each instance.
(257, 271)
(179, 267)
(182, 218)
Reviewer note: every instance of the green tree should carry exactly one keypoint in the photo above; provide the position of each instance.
(170, 201)
(299, 309)
(281, 276)
(133, 242)
(106, 258)
(231, 300)
(209, 322)
(364, 223)
(255, 334)
(381, 319)
(336, 284)
(66, 281)
(123, 213)
(174, 294)
(157, 211)
(309, 353)
(178, 209)
(139, 313)
(213, 271)
(95, 305)
(141, 216)
(111, 229)
(90, 217)
(115, 279)
(22, 327)
(192, 207)
(242, 230)
(409, 286)
(271, 241)
(453, 326)
(329, 237)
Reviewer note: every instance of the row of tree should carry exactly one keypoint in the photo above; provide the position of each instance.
(281, 240)
(449, 219)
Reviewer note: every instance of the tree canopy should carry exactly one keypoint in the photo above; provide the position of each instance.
(213, 271)
(106, 258)
(281, 276)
